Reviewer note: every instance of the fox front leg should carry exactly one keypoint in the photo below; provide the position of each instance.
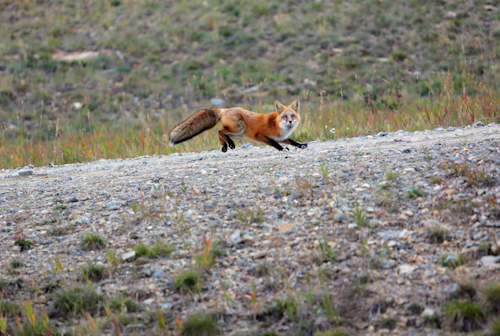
(295, 143)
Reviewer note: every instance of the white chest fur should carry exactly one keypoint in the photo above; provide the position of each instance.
(286, 131)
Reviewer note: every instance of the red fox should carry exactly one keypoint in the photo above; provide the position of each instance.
(271, 129)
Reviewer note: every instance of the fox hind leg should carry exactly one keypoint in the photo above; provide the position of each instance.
(222, 142)
(227, 139)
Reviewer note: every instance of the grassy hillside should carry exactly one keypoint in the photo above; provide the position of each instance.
(363, 65)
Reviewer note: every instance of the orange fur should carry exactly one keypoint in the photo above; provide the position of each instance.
(271, 129)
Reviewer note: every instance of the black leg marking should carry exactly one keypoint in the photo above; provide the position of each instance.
(274, 144)
(297, 144)
(231, 143)
(224, 148)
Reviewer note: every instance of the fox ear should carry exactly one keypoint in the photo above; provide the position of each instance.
(296, 105)
(279, 107)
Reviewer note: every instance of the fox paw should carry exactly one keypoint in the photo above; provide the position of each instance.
(232, 146)
(303, 146)
(224, 149)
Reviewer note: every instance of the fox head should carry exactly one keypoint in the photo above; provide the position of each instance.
(288, 116)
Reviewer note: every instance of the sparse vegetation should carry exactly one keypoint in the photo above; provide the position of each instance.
(359, 217)
(335, 332)
(493, 328)
(8, 308)
(250, 216)
(491, 294)
(93, 272)
(76, 301)
(157, 250)
(464, 315)
(392, 176)
(16, 263)
(415, 308)
(188, 280)
(453, 260)
(120, 304)
(92, 241)
(199, 325)
(438, 235)
(414, 192)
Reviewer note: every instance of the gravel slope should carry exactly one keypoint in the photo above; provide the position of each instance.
(384, 247)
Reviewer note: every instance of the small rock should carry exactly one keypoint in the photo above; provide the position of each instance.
(128, 256)
(149, 302)
(236, 238)
(25, 173)
(338, 216)
(495, 248)
(112, 206)
(419, 260)
(428, 313)
(345, 271)
(258, 254)
(72, 199)
(408, 213)
(78, 56)
(309, 82)
(452, 289)
(450, 15)
(41, 299)
(217, 102)
(490, 261)
(157, 273)
(285, 228)
(382, 134)
(407, 150)
(406, 268)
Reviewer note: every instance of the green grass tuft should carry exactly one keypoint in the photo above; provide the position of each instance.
(438, 235)
(414, 192)
(464, 315)
(120, 304)
(93, 272)
(493, 328)
(492, 296)
(188, 280)
(335, 332)
(92, 241)
(76, 301)
(16, 263)
(9, 308)
(454, 260)
(359, 217)
(157, 250)
(199, 325)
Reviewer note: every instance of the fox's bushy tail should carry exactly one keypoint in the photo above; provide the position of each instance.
(194, 125)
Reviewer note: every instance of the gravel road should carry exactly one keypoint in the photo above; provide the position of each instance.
(383, 227)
